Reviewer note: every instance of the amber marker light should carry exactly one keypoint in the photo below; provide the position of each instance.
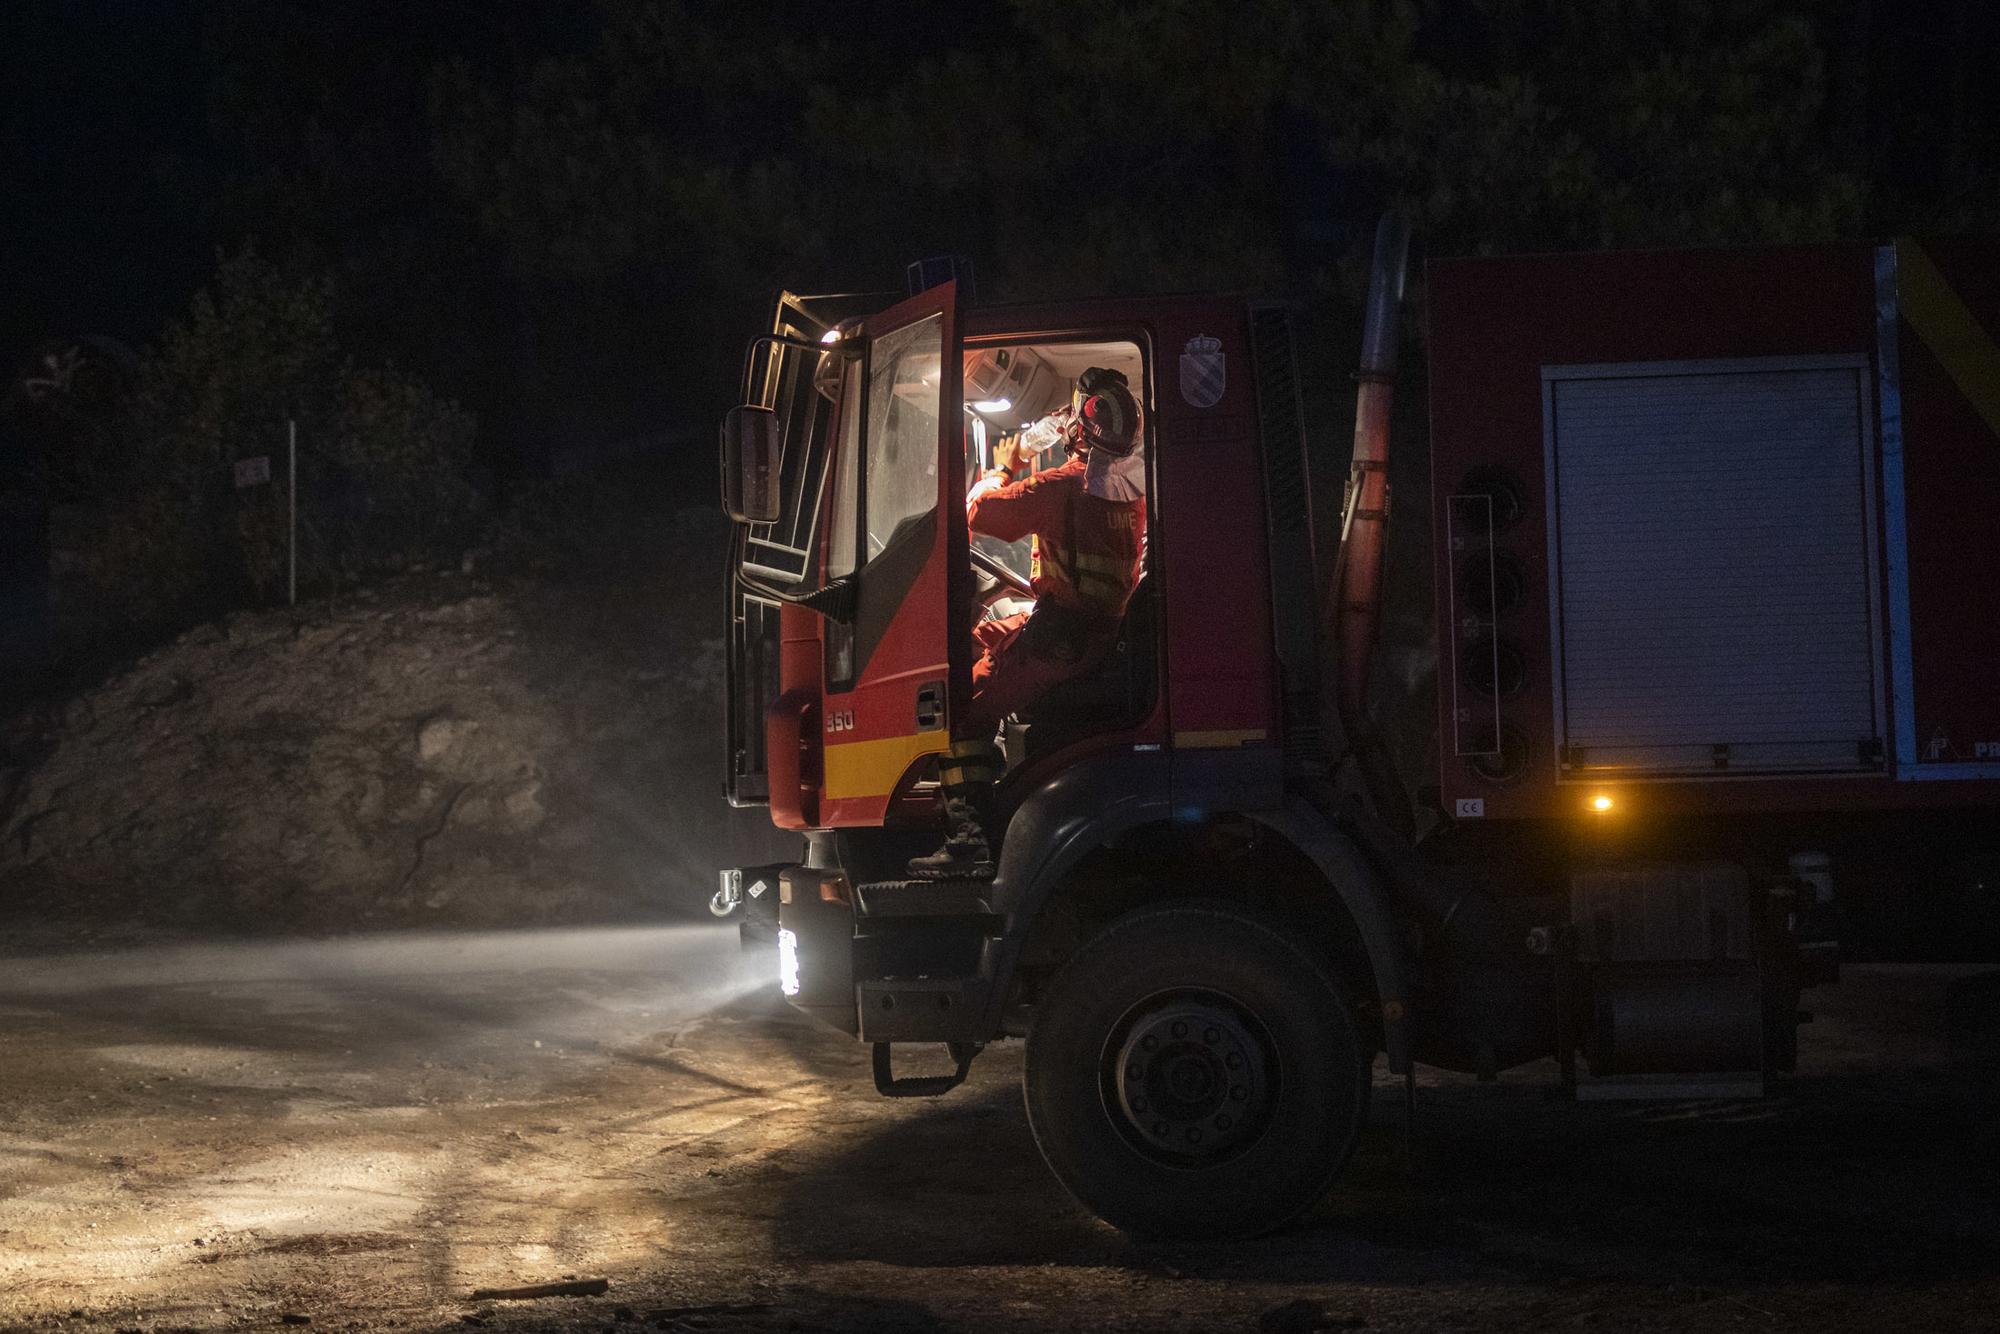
(1602, 802)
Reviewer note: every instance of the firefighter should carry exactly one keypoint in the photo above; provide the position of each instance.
(1088, 521)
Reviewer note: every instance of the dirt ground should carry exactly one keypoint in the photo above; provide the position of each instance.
(361, 1132)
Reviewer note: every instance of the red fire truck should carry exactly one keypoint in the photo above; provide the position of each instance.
(1716, 570)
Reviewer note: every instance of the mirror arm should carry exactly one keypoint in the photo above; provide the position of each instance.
(850, 348)
(837, 601)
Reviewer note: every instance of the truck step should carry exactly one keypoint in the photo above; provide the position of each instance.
(923, 898)
(923, 1086)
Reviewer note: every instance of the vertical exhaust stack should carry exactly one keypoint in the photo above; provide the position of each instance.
(1355, 615)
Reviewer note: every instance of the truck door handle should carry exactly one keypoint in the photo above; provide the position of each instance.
(930, 706)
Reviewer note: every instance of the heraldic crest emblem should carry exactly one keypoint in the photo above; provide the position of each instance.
(1204, 371)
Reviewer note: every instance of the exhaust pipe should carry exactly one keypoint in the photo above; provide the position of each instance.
(1351, 606)
(1364, 527)
(1466, 919)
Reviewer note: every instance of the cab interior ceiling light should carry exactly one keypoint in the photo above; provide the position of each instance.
(993, 405)
(1602, 802)
(830, 336)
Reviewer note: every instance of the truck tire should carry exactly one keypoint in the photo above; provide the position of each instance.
(1193, 1073)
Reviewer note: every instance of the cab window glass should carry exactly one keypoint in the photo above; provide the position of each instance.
(846, 509)
(903, 397)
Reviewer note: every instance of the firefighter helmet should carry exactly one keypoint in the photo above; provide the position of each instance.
(1107, 416)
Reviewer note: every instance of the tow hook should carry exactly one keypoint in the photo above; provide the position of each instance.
(749, 893)
(729, 897)
(923, 1086)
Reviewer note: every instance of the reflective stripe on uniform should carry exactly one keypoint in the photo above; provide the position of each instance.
(972, 760)
(974, 747)
(1103, 581)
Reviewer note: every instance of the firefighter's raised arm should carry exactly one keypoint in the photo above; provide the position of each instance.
(1007, 460)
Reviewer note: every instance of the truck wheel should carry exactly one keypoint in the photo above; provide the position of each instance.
(1192, 1073)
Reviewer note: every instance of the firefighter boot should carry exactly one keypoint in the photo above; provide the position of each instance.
(968, 774)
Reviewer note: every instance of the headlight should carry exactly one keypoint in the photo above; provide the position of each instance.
(788, 962)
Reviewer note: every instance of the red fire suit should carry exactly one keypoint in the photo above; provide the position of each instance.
(1086, 564)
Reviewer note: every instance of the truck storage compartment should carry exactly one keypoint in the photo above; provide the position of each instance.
(1711, 548)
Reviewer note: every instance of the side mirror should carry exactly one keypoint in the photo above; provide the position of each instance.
(750, 465)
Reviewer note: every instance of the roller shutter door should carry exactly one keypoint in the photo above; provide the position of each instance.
(1712, 539)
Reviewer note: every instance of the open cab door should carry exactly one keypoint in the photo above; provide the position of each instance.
(894, 656)
(776, 548)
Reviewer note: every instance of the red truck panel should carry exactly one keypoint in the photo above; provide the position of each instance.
(1503, 330)
(1948, 298)
(1221, 679)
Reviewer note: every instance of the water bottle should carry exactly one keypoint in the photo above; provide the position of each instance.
(1046, 432)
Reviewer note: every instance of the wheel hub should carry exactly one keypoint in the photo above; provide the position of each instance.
(1191, 1081)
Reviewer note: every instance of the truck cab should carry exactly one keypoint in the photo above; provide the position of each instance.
(888, 420)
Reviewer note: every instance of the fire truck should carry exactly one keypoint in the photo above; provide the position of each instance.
(1714, 562)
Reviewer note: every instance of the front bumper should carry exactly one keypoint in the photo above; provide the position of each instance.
(897, 962)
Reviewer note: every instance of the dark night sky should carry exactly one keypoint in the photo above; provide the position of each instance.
(139, 138)
(142, 138)
(97, 93)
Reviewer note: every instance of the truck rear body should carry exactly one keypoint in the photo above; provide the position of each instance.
(1743, 531)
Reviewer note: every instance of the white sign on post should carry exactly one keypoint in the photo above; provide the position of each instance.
(250, 472)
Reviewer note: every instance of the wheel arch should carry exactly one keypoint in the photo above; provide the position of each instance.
(1075, 861)
(1090, 806)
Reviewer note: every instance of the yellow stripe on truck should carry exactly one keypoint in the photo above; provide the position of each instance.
(1949, 329)
(873, 768)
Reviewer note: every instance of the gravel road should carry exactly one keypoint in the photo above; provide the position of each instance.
(361, 1132)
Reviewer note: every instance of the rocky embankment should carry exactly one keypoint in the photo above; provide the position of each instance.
(437, 749)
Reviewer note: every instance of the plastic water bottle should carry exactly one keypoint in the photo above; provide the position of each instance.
(1046, 432)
